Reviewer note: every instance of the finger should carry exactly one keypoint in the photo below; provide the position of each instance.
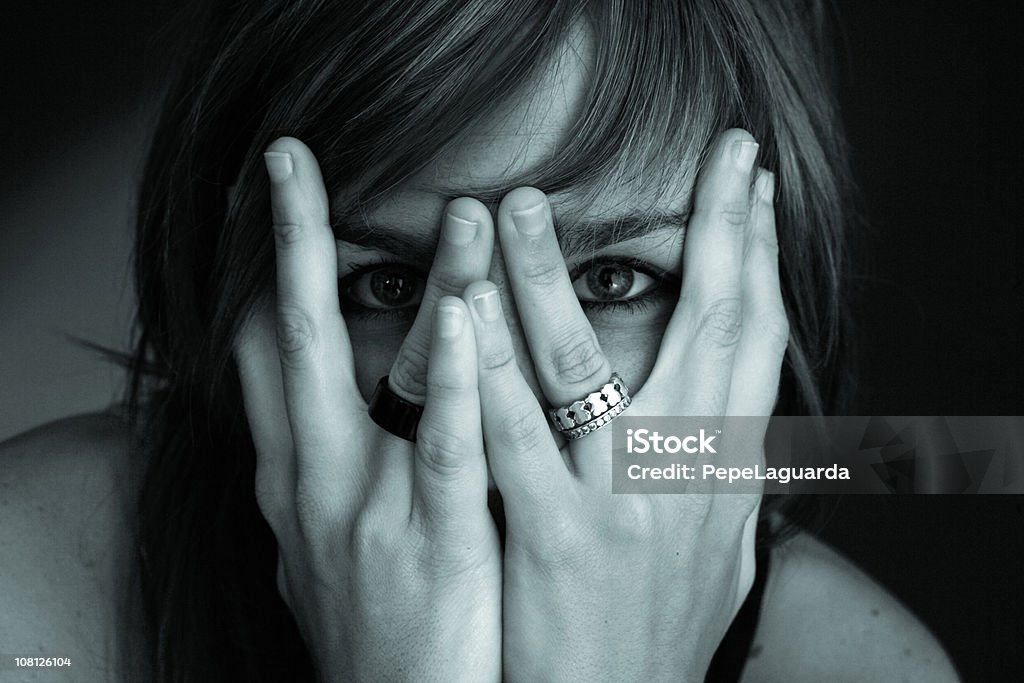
(463, 255)
(259, 371)
(527, 466)
(755, 378)
(696, 355)
(450, 479)
(313, 345)
(565, 351)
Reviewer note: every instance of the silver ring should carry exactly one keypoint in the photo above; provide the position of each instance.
(593, 411)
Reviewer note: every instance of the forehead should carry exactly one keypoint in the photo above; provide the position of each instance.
(524, 131)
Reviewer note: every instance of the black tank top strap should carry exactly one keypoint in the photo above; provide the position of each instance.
(734, 650)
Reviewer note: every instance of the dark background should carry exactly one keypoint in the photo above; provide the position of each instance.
(929, 94)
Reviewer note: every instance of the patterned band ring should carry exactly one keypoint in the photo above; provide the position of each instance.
(593, 411)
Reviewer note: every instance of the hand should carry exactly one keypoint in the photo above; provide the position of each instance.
(388, 556)
(628, 587)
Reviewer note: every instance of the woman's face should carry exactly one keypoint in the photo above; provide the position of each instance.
(627, 281)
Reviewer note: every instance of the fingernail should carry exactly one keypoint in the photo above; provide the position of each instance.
(449, 321)
(743, 152)
(487, 305)
(279, 166)
(532, 221)
(764, 186)
(459, 231)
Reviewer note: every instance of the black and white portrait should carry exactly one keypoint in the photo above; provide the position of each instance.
(322, 325)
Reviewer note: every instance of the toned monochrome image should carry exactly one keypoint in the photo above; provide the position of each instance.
(511, 340)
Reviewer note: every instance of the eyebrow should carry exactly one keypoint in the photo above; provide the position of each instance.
(576, 237)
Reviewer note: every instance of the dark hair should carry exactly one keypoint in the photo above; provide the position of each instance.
(376, 89)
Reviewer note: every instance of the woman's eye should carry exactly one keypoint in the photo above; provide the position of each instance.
(381, 288)
(609, 282)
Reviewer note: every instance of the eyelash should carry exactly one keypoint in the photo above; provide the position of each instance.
(664, 279)
(372, 314)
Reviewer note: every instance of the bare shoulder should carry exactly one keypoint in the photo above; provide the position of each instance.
(824, 619)
(66, 539)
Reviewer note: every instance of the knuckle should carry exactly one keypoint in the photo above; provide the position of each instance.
(370, 537)
(447, 280)
(272, 506)
(734, 214)
(522, 430)
(636, 520)
(296, 335)
(721, 322)
(498, 360)
(775, 330)
(278, 518)
(578, 360)
(566, 549)
(447, 386)
(410, 369)
(441, 451)
(287, 234)
(543, 272)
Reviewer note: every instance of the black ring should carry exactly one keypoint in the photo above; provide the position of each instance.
(394, 414)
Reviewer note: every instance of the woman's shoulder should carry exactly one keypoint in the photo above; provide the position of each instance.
(66, 510)
(824, 619)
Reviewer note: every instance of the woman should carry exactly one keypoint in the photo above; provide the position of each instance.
(486, 203)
